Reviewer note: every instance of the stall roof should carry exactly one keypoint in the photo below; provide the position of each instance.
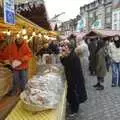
(79, 34)
(35, 11)
(102, 33)
(20, 22)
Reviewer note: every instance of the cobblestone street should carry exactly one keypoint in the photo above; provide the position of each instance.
(101, 105)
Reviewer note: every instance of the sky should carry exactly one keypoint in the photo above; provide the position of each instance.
(70, 7)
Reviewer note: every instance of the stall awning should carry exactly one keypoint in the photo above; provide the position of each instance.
(102, 33)
(79, 34)
(20, 22)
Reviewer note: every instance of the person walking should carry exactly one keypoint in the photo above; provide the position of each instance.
(76, 92)
(92, 48)
(83, 52)
(115, 60)
(100, 65)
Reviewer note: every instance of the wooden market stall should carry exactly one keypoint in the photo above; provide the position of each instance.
(17, 112)
(7, 102)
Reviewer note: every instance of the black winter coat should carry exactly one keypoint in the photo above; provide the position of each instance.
(75, 79)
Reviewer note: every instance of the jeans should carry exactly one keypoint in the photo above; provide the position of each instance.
(19, 79)
(116, 73)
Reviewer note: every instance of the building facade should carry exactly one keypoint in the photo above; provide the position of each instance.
(116, 15)
(97, 14)
(69, 26)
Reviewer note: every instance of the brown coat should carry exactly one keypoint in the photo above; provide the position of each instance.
(100, 63)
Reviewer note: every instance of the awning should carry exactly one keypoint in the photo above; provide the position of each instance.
(102, 33)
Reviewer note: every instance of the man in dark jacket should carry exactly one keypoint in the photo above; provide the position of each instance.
(76, 92)
(92, 59)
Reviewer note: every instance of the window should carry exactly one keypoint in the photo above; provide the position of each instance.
(108, 10)
(91, 15)
(106, 1)
(108, 20)
(115, 17)
(115, 26)
(119, 21)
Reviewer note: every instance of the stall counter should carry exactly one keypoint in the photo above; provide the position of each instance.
(18, 113)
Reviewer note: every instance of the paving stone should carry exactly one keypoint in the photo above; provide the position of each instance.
(101, 105)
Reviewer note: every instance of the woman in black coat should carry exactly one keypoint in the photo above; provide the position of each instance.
(76, 92)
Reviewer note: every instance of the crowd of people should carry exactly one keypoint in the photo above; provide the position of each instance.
(89, 57)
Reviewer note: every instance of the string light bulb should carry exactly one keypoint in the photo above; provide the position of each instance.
(24, 31)
(33, 34)
(46, 37)
(4, 32)
(25, 37)
(8, 32)
(18, 35)
(39, 35)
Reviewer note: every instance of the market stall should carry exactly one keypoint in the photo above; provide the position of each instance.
(6, 36)
(36, 38)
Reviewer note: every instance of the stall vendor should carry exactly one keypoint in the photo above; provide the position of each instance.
(18, 54)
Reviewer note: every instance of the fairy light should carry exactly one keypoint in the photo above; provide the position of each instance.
(18, 35)
(33, 34)
(39, 35)
(4, 32)
(46, 37)
(25, 37)
(24, 31)
(8, 32)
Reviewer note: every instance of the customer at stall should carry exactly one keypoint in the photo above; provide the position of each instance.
(18, 54)
(100, 65)
(76, 92)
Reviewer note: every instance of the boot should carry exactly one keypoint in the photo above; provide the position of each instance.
(100, 87)
(97, 85)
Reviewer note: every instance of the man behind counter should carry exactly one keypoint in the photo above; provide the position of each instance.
(18, 54)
